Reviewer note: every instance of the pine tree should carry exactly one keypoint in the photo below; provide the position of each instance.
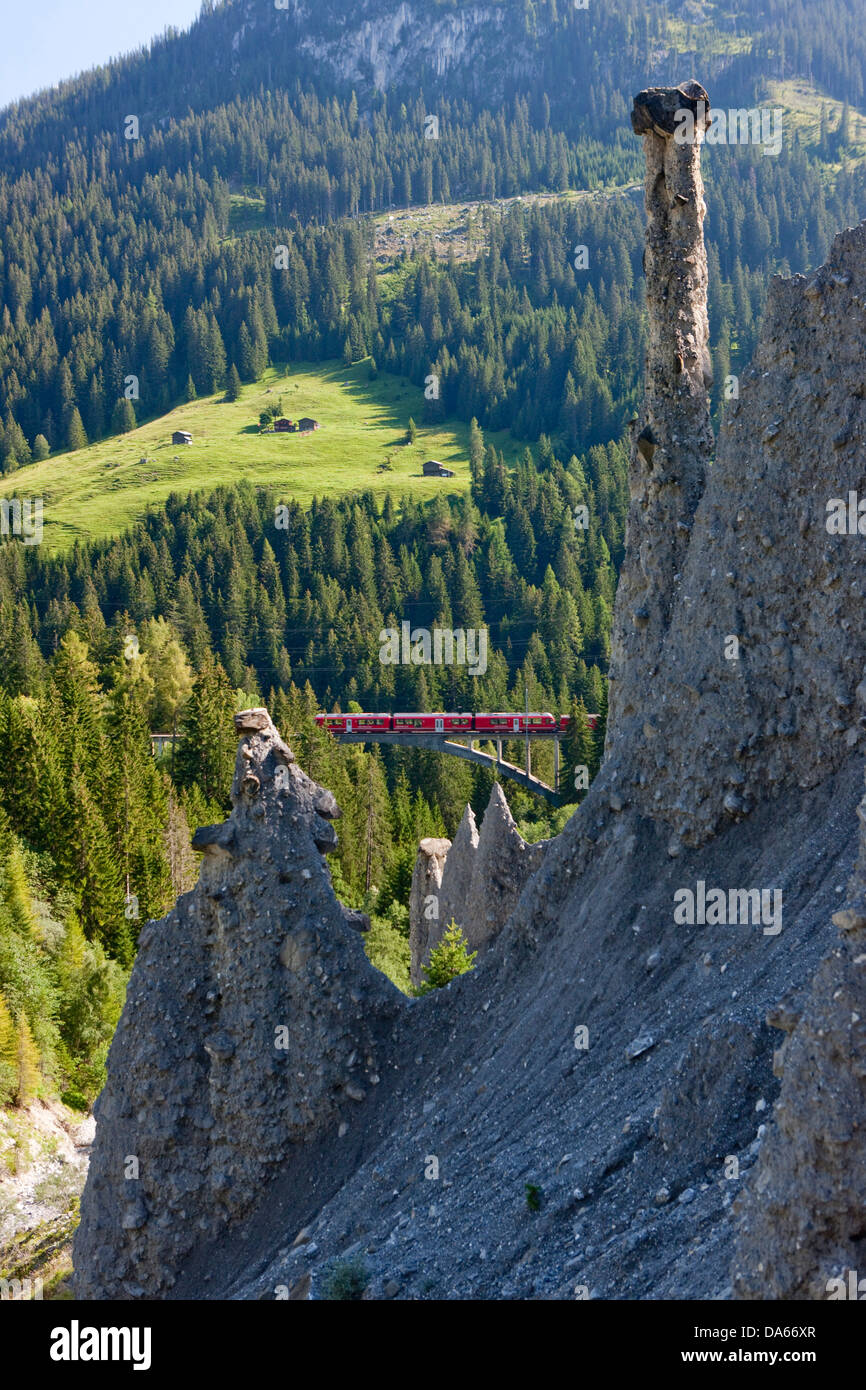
(75, 436)
(233, 384)
(41, 448)
(450, 958)
(206, 752)
(135, 801)
(27, 1064)
(579, 756)
(170, 672)
(123, 416)
(8, 1054)
(16, 894)
(476, 454)
(96, 872)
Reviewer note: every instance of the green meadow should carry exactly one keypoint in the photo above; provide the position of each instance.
(100, 490)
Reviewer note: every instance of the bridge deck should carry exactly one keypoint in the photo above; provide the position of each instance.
(446, 743)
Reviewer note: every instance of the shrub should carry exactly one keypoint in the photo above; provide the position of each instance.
(346, 1280)
(533, 1196)
(75, 1100)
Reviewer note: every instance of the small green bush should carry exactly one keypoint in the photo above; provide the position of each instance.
(75, 1100)
(346, 1280)
(533, 1196)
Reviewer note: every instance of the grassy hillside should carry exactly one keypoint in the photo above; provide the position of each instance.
(802, 102)
(461, 229)
(100, 490)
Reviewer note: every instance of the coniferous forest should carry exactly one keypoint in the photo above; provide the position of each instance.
(132, 249)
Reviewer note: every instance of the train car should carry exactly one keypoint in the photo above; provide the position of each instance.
(511, 723)
(541, 721)
(434, 723)
(354, 723)
(591, 719)
(443, 722)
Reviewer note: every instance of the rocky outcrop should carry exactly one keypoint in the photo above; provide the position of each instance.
(424, 902)
(379, 46)
(671, 440)
(504, 863)
(253, 1026)
(801, 1229)
(731, 680)
(480, 879)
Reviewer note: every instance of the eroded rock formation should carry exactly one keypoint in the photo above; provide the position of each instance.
(424, 902)
(671, 440)
(477, 881)
(253, 1026)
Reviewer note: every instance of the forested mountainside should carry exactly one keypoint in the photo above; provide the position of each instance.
(209, 602)
(128, 256)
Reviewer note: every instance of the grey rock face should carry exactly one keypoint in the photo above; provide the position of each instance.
(503, 865)
(252, 1024)
(708, 1108)
(478, 880)
(801, 1220)
(457, 873)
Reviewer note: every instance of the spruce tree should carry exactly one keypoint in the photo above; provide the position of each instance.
(75, 435)
(233, 384)
(579, 757)
(450, 958)
(206, 752)
(123, 416)
(16, 894)
(8, 1054)
(27, 1064)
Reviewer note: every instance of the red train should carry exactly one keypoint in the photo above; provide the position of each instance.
(497, 724)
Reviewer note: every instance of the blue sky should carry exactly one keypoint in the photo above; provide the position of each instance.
(43, 41)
